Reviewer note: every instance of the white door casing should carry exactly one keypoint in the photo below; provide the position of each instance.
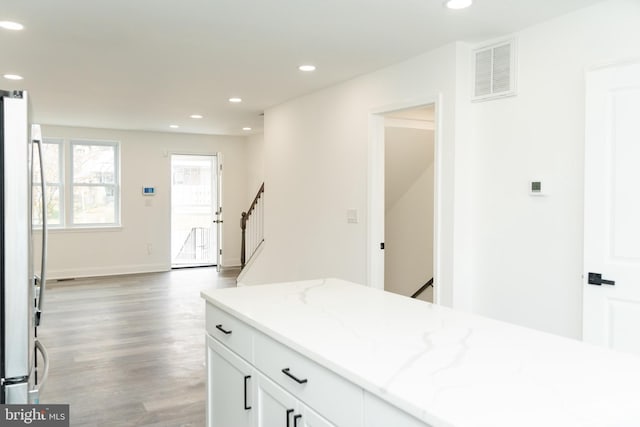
(376, 185)
(611, 312)
(219, 214)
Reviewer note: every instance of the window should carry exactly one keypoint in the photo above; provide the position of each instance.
(82, 183)
(94, 186)
(52, 150)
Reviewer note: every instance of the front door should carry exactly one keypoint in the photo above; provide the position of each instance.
(194, 210)
(611, 311)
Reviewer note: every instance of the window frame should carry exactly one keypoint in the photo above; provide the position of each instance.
(65, 185)
(60, 184)
(69, 196)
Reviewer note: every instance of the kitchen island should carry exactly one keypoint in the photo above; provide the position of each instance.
(327, 352)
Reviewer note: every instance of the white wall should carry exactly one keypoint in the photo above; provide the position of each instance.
(145, 160)
(255, 166)
(409, 238)
(506, 254)
(528, 250)
(316, 151)
(408, 234)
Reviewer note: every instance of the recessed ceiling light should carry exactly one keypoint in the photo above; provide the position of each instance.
(235, 100)
(174, 126)
(307, 68)
(246, 128)
(196, 116)
(458, 4)
(12, 77)
(8, 25)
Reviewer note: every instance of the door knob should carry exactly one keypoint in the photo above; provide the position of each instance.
(596, 279)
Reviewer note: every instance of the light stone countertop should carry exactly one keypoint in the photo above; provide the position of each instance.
(445, 367)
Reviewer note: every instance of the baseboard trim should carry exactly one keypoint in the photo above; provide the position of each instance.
(106, 271)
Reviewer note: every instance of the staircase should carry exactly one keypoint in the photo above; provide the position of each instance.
(252, 225)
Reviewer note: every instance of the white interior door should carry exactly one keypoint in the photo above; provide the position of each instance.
(611, 312)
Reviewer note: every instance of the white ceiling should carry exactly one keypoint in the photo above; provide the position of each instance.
(145, 64)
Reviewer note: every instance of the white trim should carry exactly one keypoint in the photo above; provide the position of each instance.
(375, 189)
(114, 270)
(437, 197)
(81, 229)
(408, 123)
(375, 196)
(613, 64)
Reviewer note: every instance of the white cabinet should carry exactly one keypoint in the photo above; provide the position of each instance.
(255, 381)
(278, 408)
(311, 418)
(230, 388)
(337, 399)
(378, 413)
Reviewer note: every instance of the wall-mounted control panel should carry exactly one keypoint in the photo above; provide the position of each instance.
(148, 191)
(536, 188)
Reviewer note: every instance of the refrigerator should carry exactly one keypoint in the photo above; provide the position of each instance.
(21, 288)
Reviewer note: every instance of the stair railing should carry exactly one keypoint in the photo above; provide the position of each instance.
(252, 225)
(195, 246)
(417, 293)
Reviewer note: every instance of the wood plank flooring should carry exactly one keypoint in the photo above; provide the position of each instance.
(129, 350)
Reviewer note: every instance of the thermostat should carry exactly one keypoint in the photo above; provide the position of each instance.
(535, 188)
(148, 191)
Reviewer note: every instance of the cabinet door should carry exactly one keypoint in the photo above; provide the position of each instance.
(230, 384)
(276, 407)
(311, 418)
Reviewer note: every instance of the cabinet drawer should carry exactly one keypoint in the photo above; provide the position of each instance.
(340, 401)
(232, 332)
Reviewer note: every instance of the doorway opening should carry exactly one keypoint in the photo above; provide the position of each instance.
(194, 209)
(403, 255)
(408, 199)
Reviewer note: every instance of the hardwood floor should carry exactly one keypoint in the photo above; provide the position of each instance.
(129, 350)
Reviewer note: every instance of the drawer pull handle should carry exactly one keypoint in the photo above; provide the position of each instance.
(223, 330)
(293, 377)
(295, 420)
(246, 378)
(289, 412)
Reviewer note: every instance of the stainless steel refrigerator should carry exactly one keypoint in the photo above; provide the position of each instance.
(21, 291)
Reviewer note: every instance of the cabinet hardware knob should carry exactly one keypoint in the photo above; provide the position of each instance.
(246, 378)
(224, 331)
(289, 412)
(295, 420)
(293, 377)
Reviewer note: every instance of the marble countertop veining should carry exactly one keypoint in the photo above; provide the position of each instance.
(445, 367)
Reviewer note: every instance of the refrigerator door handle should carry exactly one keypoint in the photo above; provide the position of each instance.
(45, 231)
(34, 395)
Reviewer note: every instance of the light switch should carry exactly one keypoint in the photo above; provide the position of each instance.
(352, 216)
